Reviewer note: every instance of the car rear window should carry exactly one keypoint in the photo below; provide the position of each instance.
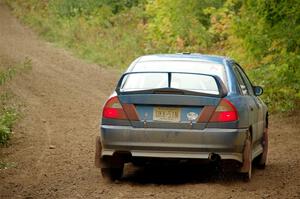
(183, 66)
(197, 83)
(183, 81)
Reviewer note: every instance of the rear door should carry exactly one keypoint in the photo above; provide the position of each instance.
(259, 120)
(170, 99)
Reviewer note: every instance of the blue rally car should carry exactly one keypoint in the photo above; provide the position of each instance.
(183, 107)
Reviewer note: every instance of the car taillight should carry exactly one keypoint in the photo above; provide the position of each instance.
(225, 112)
(113, 109)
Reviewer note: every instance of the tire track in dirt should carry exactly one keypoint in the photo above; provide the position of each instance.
(63, 97)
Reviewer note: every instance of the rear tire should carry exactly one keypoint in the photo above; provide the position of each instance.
(112, 174)
(258, 162)
(111, 168)
(138, 162)
(247, 176)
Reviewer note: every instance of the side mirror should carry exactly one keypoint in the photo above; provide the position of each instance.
(258, 90)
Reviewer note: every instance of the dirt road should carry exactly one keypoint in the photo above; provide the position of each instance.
(63, 96)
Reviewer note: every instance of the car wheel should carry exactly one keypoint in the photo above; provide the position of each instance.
(257, 162)
(247, 176)
(138, 162)
(111, 174)
(247, 165)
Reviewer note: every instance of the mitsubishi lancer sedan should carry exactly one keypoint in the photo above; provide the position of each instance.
(183, 107)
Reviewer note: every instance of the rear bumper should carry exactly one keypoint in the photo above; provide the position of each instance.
(173, 143)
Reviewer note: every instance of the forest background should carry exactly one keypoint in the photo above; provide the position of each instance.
(263, 36)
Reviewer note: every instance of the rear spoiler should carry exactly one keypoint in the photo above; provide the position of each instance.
(221, 86)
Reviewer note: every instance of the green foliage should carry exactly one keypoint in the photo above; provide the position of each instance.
(280, 85)
(8, 73)
(73, 8)
(7, 119)
(120, 5)
(5, 165)
(221, 21)
(179, 25)
(8, 112)
(269, 34)
(263, 36)
(89, 28)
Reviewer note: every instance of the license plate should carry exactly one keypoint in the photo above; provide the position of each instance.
(166, 114)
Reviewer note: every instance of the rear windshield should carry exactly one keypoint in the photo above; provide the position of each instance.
(183, 81)
(183, 66)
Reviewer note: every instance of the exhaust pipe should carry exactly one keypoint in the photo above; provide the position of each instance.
(213, 157)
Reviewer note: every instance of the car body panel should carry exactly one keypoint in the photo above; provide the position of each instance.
(167, 99)
(186, 143)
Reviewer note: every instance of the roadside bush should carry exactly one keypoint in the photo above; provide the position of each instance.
(269, 34)
(8, 111)
(7, 75)
(7, 119)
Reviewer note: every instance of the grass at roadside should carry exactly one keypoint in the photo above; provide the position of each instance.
(7, 119)
(103, 38)
(9, 111)
(5, 165)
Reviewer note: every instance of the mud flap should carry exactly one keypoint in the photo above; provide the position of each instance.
(99, 163)
(263, 159)
(98, 150)
(247, 156)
